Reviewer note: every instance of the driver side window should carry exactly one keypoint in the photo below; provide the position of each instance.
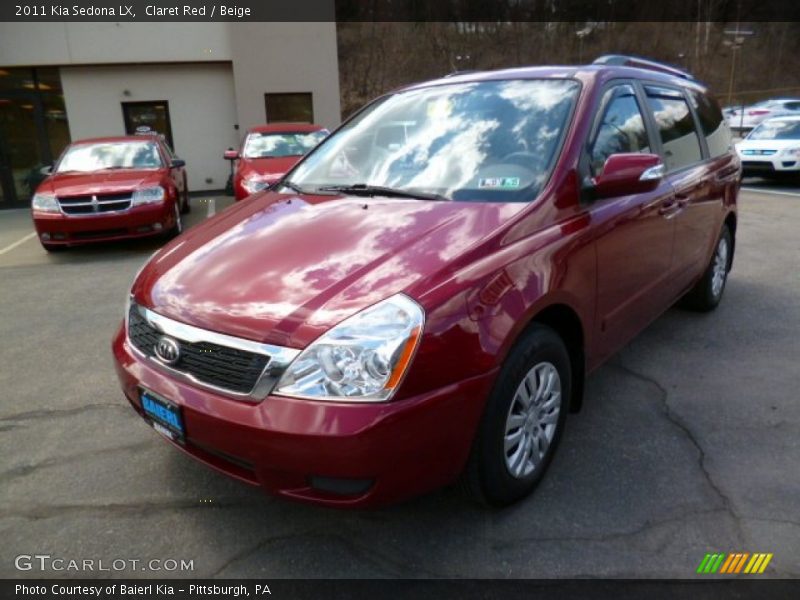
(621, 129)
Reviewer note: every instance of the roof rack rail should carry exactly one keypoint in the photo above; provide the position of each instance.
(641, 63)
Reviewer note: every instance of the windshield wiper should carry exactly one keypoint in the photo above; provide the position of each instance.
(294, 187)
(362, 189)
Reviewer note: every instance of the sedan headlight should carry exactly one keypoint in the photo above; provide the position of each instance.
(45, 203)
(148, 195)
(792, 152)
(255, 185)
(362, 359)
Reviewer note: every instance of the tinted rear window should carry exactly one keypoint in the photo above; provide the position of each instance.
(714, 126)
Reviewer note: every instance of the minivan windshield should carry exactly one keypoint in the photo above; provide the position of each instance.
(110, 155)
(476, 141)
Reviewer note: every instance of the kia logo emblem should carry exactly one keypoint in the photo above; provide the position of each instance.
(167, 350)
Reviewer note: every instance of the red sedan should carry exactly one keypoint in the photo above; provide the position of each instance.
(422, 298)
(111, 188)
(268, 152)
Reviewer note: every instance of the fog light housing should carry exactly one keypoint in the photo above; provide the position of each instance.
(340, 486)
(158, 227)
(45, 236)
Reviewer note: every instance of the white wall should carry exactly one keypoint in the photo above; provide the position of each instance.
(285, 57)
(201, 105)
(31, 44)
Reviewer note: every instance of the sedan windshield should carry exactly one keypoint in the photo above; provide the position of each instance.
(110, 155)
(278, 145)
(776, 130)
(479, 141)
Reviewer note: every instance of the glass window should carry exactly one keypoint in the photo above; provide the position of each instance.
(110, 155)
(776, 130)
(276, 145)
(679, 138)
(154, 115)
(474, 141)
(289, 108)
(713, 124)
(621, 130)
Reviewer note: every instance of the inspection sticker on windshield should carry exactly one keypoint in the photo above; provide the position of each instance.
(499, 183)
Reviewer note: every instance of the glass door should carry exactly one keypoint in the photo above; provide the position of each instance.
(21, 153)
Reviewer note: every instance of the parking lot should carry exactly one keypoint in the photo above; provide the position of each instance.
(688, 443)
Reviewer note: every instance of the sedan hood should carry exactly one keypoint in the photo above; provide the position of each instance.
(99, 182)
(266, 168)
(284, 269)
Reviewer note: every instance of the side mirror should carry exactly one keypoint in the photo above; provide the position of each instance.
(231, 154)
(46, 170)
(625, 174)
(177, 163)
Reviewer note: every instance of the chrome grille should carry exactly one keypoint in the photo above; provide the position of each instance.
(96, 203)
(216, 365)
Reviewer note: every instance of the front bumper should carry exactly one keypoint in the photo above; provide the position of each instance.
(139, 221)
(769, 165)
(335, 454)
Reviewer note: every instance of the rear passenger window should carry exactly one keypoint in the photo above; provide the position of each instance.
(679, 138)
(714, 126)
(621, 129)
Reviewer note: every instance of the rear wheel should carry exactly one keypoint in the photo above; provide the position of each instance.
(707, 293)
(523, 420)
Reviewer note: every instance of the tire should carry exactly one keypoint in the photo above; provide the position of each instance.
(500, 470)
(707, 293)
(186, 208)
(177, 229)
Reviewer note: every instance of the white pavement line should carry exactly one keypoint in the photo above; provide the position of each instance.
(776, 192)
(212, 207)
(10, 247)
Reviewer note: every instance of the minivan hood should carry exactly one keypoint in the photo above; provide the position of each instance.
(284, 269)
(99, 182)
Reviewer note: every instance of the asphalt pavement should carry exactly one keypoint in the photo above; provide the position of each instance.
(688, 443)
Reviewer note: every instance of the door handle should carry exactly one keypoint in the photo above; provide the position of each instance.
(668, 206)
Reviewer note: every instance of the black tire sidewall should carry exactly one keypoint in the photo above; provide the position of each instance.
(497, 486)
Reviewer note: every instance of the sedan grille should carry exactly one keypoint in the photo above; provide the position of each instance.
(220, 366)
(100, 203)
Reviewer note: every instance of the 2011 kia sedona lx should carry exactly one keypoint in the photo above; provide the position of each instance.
(421, 297)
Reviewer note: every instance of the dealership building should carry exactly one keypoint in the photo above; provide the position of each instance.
(200, 84)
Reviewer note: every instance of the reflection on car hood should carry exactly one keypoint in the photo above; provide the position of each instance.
(99, 182)
(284, 269)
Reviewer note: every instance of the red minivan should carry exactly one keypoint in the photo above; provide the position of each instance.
(111, 188)
(421, 297)
(268, 152)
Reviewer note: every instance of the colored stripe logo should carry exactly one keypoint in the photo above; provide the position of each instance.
(736, 562)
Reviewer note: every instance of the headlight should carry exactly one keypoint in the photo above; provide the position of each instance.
(45, 203)
(792, 152)
(254, 185)
(148, 195)
(362, 359)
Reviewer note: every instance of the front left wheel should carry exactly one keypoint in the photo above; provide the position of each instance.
(523, 420)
